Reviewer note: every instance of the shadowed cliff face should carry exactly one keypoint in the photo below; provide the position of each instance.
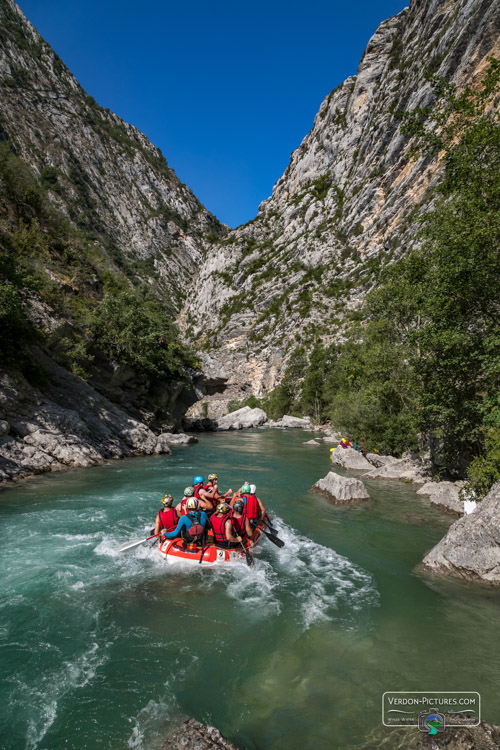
(104, 173)
(345, 207)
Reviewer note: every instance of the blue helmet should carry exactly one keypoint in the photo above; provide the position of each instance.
(198, 480)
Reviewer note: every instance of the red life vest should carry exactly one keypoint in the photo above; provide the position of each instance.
(251, 509)
(168, 519)
(184, 509)
(197, 492)
(238, 525)
(219, 527)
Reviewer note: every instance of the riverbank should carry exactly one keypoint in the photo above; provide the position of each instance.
(66, 423)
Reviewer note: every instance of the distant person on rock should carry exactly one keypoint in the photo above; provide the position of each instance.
(167, 517)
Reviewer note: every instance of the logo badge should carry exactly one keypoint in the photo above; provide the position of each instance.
(431, 722)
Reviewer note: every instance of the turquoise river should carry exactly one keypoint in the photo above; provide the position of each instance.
(108, 650)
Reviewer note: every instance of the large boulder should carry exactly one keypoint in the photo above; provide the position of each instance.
(171, 438)
(409, 468)
(444, 495)
(303, 423)
(193, 735)
(350, 459)
(341, 489)
(471, 547)
(242, 419)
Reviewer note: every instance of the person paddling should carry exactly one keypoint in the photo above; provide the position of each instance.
(254, 507)
(241, 524)
(193, 516)
(222, 526)
(167, 517)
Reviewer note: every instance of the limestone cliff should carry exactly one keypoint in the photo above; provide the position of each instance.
(344, 208)
(104, 173)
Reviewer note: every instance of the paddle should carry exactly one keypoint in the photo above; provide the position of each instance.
(274, 539)
(248, 556)
(136, 544)
(270, 526)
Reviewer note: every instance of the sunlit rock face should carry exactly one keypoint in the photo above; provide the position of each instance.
(104, 173)
(346, 205)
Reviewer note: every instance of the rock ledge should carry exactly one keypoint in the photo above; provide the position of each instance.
(196, 736)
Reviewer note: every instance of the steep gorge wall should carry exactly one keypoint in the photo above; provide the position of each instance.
(104, 173)
(345, 207)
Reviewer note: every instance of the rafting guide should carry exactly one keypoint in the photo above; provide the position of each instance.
(208, 528)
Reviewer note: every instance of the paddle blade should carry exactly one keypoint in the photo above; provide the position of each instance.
(249, 558)
(275, 540)
(131, 545)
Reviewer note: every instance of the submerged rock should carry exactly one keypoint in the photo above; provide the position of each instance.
(193, 735)
(349, 458)
(242, 419)
(444, 495)
(471, 547)
(311, 442)
(341, 489)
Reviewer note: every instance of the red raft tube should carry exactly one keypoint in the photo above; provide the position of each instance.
(175, 550)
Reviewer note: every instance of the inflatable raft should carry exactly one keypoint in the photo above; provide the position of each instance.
(175, 550)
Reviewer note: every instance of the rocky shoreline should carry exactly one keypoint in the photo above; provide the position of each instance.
(193, 735)
(66, 423)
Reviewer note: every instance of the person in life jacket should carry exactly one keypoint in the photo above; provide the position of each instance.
(180, 508)
(241, 524)
(254, 507)
(222, 526)
(209, 493)
(193, 517)
(167, 517)
(197, 485)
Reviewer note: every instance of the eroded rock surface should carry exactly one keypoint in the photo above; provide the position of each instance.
(444, 495)
(196, 736)
(301, 423)
(345, 207)
(242, 419)
(64, 423)
(471, 547)
(341, 489)
(350, 459)
(409, 468)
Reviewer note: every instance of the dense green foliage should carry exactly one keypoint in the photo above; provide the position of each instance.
(425, 358)
(102, 313)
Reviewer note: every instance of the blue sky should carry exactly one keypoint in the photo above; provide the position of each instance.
(227, 90)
